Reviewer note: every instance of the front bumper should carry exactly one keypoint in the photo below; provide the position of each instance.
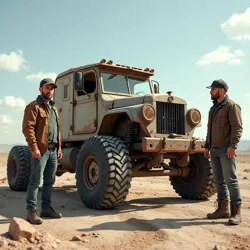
(166, 145)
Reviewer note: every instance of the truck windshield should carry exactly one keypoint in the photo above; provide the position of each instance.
(125, 84)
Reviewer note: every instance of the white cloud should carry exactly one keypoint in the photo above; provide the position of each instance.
(237, 27)
(13, 62)
(11, 130)
(5, 121)
(40, 75)
(238, 52)
(12, 102)
(248, 94)
(235, 61)
(222, 54)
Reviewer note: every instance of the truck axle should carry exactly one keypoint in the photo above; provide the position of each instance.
(173, 172)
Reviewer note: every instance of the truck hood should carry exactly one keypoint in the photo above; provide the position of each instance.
(119, 102)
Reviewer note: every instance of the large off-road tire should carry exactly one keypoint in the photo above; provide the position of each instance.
(18, 168)
(103, 172)
(199, 184)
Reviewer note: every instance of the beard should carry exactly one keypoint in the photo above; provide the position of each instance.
(46, 96)
(216, 96)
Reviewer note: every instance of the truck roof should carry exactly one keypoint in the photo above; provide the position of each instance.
(109, 65)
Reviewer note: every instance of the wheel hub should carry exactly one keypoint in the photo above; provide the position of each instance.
(91, 172)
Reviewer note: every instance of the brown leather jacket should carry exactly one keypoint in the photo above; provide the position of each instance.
(224, 124)
(36, 125)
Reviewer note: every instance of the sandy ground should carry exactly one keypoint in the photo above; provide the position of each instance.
(153, 217)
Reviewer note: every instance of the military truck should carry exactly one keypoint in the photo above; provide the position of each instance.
(116, 125)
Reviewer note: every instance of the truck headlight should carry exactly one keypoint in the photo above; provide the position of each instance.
(193, 117)
(148, 113)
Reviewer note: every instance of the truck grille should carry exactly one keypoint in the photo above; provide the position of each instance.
(170, 118)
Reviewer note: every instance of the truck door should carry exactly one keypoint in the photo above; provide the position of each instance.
(85, 106)
(64, 105)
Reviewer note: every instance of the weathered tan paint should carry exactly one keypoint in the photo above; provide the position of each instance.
(103, 105)
(87, 128)
(164, 145)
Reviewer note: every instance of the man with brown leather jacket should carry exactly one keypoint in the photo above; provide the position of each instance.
(224, 131)
(41, 129)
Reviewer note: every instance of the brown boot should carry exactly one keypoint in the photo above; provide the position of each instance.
(235, 218)
(222, 210)
(33, 218)
(49, 212)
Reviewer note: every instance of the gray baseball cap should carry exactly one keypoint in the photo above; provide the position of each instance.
(219, 84)
(47, 81)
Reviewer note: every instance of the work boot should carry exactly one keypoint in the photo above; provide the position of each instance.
(235, 218)
(33, 218)
(49, 212)
(222, 210)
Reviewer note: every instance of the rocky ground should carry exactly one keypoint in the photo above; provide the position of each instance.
(153, 217)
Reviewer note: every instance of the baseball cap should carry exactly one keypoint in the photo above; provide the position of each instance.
(219, 84)
(47, 81)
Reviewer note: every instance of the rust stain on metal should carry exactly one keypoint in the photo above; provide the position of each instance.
(88, 128)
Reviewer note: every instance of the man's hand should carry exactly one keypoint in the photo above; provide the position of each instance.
(36, 154)
(59, 155)
(230, 152)
(207, 153)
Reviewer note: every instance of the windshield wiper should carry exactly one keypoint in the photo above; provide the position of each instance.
(112, 76)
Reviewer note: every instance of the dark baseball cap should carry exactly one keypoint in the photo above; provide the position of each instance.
(47, 81)
(219, 84)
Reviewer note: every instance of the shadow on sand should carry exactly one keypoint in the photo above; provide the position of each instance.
(66, 200)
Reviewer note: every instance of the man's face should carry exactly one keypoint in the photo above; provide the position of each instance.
(47, 91)
(215, 93)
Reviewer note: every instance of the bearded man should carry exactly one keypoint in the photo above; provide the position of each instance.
(41, 129)
(224, 130)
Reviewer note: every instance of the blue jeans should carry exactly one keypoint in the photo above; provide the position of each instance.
(46, 168)
(225, 175)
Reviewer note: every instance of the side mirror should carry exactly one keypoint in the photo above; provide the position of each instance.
(156, 87)
(78, 81)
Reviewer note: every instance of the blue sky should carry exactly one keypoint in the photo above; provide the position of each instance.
(188, 43)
